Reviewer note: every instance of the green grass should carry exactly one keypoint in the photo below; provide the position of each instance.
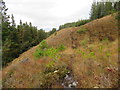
(82, 30)
(84, 42)
(107, 53)
(61, 47)
(105, 40)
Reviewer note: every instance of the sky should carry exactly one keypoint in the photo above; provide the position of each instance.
(48, 14)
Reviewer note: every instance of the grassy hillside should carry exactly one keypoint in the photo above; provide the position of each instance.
(88, 58)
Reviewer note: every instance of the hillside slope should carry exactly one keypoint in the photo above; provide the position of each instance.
(91, 55)
(98, 29)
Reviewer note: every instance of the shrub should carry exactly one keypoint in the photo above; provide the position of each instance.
(41, 50)
(44, 50)
(92, 53)
(82, 22)
(82, 30)
(61, 47)
(43, 44)
(52, 73)
(83, 53)
(38, 53)
(51, 52)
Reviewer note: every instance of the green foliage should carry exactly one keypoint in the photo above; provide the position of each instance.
(74, 24)
(50, 64)
(45, 50)
(55, 33)
(82, 30)
(105, 40)
(52, 73)
(51, 52)
(39, 53)
(82, 22)
(17, 39)
(108, 54)
(118, 14)
(100, 9)
(92, 54)
(118, 49)
(84, 42)
(52, 31)
(61, 47)
(43, 45)
(83, 53)
(41, 35)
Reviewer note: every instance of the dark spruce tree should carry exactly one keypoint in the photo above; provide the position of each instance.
(100, 9)
(17, 38)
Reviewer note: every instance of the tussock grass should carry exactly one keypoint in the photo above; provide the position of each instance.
(97, 63)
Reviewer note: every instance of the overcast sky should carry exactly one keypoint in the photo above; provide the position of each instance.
(48, 14)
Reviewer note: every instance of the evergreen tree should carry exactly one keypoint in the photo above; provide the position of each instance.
(100, 9)
(17, 39)
(93, 11)
(52, 31)
(13, 21)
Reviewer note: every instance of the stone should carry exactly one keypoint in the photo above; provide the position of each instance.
(74, 46)
(24, 60)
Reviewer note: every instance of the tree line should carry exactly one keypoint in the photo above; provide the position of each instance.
(74, 24)
(100, 9)
(18, 38)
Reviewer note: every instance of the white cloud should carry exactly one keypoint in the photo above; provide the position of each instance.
(49, 13)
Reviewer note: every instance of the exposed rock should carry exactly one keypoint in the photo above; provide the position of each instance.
(74, 46)
(69, 82)
(72, 56)
(73, 38)
(24, 60)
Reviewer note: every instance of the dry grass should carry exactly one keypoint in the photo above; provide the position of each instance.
(95, 61)
(101, 69)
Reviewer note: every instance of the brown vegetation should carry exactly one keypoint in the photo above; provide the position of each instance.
(92, 57)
